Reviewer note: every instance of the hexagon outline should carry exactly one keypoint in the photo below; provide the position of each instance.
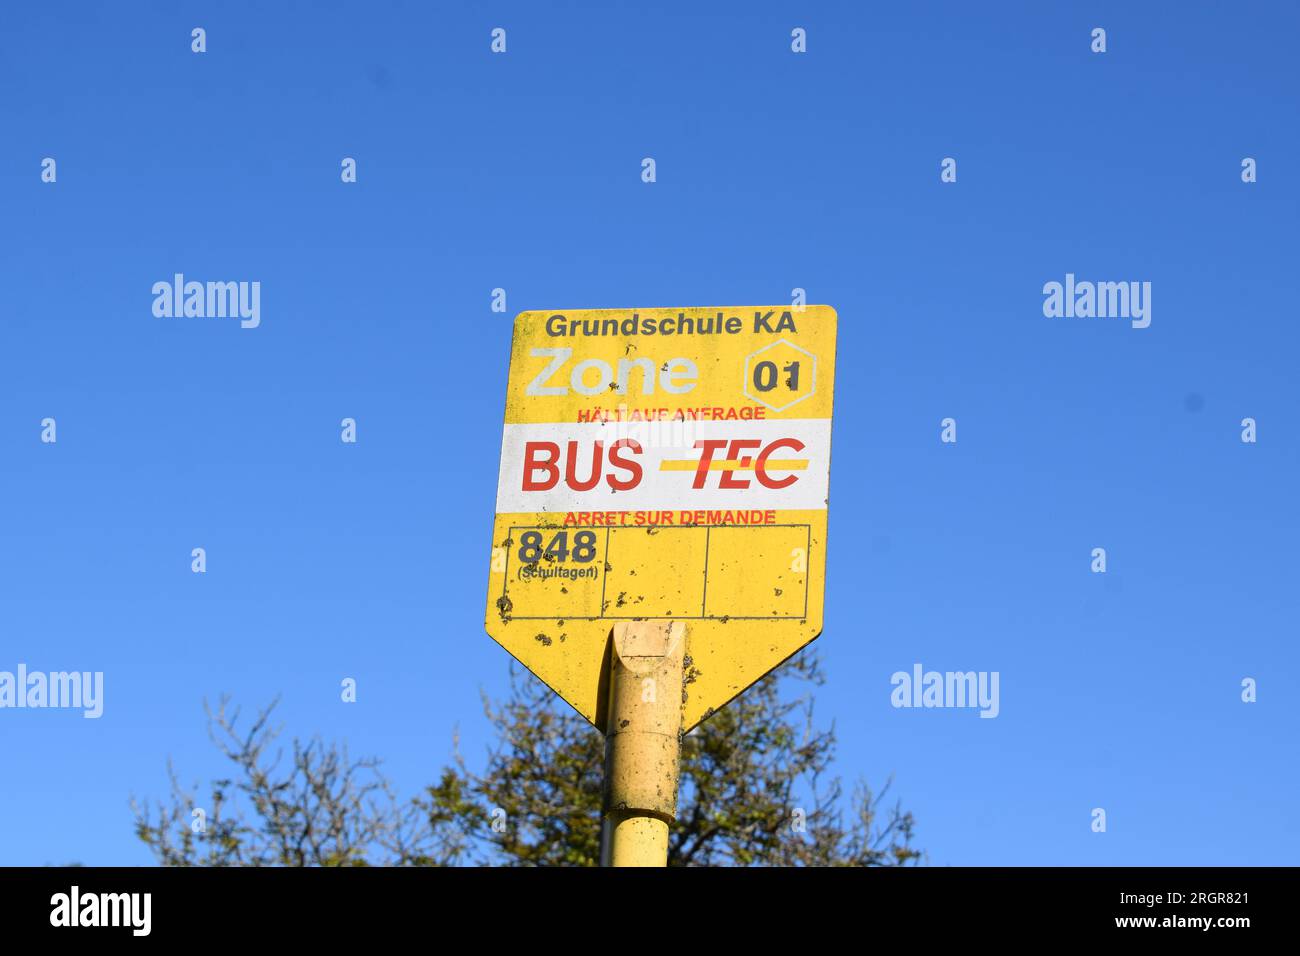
(744, 375)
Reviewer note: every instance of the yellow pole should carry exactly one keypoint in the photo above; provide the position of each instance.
(642, 742)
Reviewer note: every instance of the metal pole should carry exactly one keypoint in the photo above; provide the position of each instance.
(642, 742)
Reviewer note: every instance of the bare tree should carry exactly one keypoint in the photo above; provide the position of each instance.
(756, 790)
(312, 806)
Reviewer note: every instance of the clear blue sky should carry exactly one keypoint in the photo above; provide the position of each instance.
(775, 171)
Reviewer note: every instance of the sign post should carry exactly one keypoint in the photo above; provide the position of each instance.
(642, 742)
(660, 533)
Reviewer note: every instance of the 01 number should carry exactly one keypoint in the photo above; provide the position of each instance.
(766, 377)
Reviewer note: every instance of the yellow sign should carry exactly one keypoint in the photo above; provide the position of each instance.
(663, 464)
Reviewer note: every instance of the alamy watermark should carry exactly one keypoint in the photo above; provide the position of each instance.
(71, 690)
(922, 688)
(133, 911)
(1102, 300)
(209, 300)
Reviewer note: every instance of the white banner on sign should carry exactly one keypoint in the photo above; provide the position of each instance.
(593, 466)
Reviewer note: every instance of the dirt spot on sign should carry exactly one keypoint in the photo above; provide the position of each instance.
(690, 674)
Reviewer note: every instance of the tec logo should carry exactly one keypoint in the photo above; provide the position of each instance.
(738, 461)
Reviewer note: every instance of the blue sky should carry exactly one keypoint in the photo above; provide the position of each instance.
(775, 171)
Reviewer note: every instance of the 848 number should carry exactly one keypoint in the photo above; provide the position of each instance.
(583, 551)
